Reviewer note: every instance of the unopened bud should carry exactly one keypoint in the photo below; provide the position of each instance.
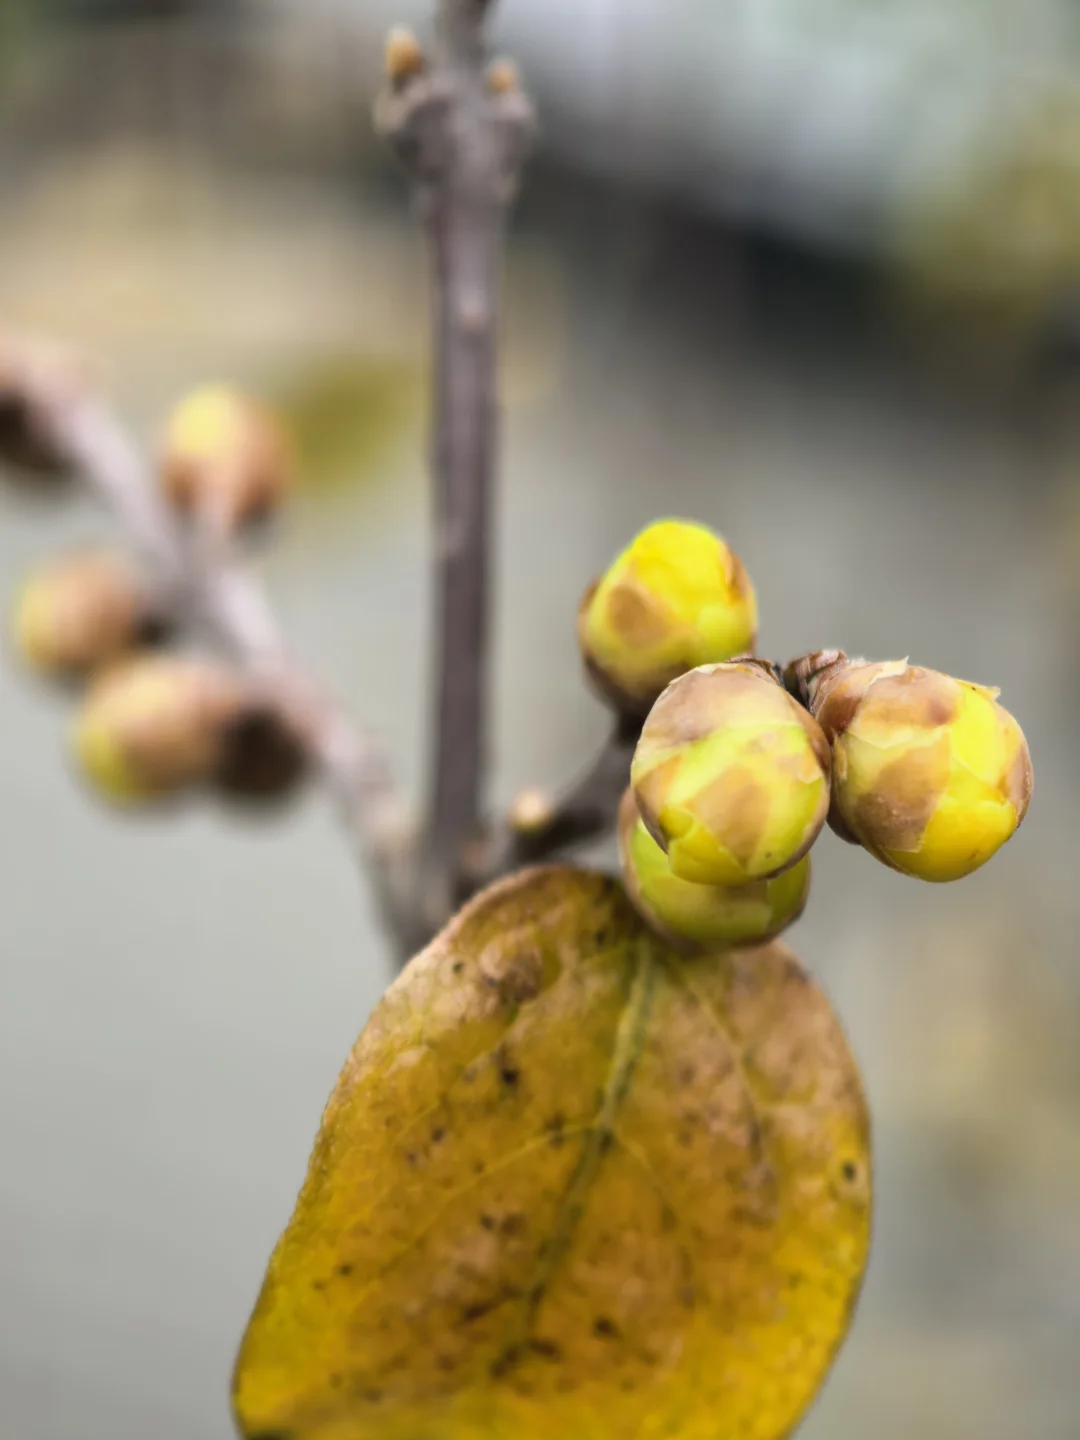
(930, 773)
(225, 457)
(405, 58)
(155, 726)
(82, 613)
(675, 599)
(694, 917)
(503, 77)
(731, 775)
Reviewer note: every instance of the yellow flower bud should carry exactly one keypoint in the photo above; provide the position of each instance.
(676, 598)
(704, 917)
(224, 455)
(731, 775)
(154, 726)
(81, 613)
(930, 774)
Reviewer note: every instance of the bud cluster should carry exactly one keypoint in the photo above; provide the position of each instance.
(153, 724)
(739, 764)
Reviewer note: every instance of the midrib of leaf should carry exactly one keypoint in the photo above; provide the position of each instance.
(626, 1051)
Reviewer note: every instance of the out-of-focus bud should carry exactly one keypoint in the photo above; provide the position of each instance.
(155, 726)
(81, 613)
(731, 775)
(532, 811)
(503, 77)
(930, 774)
(704, 917)
(404, 58)
(38, 382)
(225, 456)
(675, 599)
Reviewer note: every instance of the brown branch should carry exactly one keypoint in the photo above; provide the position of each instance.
(539, 830)
(462, 139)
(205, 586)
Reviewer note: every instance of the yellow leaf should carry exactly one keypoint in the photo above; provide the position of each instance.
(570, 1184)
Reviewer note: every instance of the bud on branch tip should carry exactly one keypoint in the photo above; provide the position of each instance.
(676, 598)
(731, 775)
(81, 613)
(225, 455)
(931, 774)
(155, 726)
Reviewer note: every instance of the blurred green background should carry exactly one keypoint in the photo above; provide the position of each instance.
(805, 270)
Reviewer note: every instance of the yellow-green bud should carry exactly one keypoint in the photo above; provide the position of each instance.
(225, 456)
(731, 775)
(81, 613)
(930, 774)
(154, 726)
(704, 917)
(676, 598)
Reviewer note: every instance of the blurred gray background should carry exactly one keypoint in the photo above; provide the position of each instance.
(804, 270)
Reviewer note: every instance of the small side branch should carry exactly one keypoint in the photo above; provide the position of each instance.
(205, 587)
(539, 829)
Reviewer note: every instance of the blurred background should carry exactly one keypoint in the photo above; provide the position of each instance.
(805, 270)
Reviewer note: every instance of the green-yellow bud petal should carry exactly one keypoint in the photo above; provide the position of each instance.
(676, 598)
(930, 773)
(704, 917)
(731, 775)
